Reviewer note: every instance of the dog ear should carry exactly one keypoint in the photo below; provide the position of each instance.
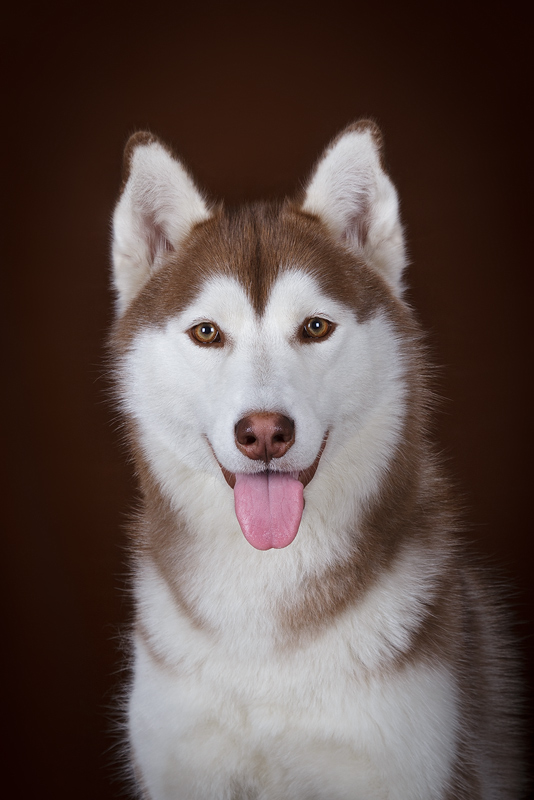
(350, 191)
(158, 206)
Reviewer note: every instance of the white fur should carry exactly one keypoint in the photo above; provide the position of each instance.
(303, 725)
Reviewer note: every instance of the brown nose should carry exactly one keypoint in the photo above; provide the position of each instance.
(264, 435)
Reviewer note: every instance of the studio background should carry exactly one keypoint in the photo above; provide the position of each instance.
(248, 95)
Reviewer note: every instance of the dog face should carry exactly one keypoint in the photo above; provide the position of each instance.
(254, 345)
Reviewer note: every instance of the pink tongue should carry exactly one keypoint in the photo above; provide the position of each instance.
(268, 507)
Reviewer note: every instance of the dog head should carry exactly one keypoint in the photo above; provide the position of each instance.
(264, 346)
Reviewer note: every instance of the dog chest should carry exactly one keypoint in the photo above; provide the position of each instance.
(308, 720)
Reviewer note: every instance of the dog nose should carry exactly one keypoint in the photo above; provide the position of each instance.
(264, 435)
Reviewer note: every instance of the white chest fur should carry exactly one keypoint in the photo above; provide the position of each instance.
(222, 721)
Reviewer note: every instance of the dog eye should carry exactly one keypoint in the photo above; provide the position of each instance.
(317, 328)
(205, 333)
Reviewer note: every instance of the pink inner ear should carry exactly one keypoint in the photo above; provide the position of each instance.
(357, 227)
(269, 508)
(158, 243)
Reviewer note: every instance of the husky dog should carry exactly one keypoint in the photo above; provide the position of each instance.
(307, 625)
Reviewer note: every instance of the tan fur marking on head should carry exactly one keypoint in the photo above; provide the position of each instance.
(254, 245)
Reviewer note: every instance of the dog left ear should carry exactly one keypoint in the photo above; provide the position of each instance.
(351, 192)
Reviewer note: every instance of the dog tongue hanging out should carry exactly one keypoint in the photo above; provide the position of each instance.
(307, 625)
(269, 508)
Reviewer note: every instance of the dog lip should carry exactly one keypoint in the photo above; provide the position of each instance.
(304, 475)
(228, 476)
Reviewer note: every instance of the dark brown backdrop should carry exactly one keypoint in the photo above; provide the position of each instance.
(248, 94)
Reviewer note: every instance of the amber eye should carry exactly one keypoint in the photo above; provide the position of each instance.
(205, 333)
(316, 328)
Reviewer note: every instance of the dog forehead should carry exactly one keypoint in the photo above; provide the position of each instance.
(264, 245)
(262, 250)
(294, 295)
(221, 299)
(297, 294)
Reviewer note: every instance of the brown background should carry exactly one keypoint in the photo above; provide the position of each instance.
(248, 94)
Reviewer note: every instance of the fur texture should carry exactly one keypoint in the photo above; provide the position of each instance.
(365, 659)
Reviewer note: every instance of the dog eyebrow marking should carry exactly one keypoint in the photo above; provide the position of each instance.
(255, 246)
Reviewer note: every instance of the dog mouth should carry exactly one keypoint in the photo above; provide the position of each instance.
(269, 504)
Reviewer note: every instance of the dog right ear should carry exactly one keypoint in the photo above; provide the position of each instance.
(158, 207)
